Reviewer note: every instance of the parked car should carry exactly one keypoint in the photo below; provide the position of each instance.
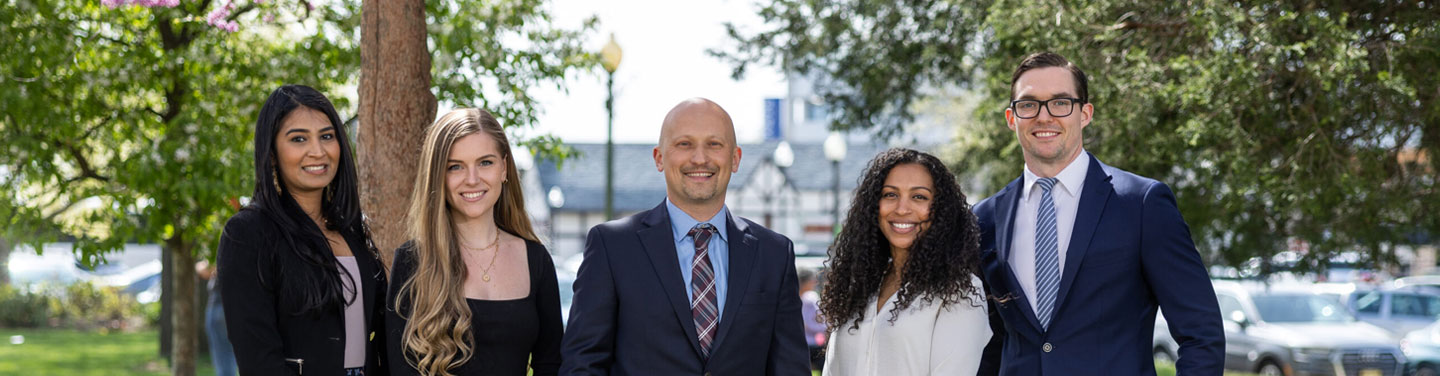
(1422, 349)
(1294, 330)
(58, 266)
(1398, 310)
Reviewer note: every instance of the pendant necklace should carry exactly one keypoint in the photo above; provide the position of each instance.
(486, 276)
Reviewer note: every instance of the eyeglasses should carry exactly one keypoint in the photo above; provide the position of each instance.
(1030, 108)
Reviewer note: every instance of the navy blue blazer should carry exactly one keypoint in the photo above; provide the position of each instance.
(1130, 252)
(630, 314)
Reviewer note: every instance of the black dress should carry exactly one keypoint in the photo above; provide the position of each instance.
(511, 336)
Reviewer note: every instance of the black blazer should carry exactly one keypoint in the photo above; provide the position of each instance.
(630, 314)
(269, 339)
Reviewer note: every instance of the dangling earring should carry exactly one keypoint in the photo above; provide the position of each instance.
(275, 178)
(329, 194)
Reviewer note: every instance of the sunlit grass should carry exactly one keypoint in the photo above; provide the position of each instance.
(71, 352)
(1168, 369)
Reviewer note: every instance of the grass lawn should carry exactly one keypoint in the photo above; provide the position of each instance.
(71, 352)
(1168, 369)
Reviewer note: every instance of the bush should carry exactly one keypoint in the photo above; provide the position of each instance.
(80, 305)
(23, 309)
(150, 312)
(86, 306)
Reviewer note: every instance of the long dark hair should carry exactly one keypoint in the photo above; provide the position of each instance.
(316, 284)
(941, 260)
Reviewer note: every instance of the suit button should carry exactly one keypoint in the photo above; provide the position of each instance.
(707, 373)
(1047, 347)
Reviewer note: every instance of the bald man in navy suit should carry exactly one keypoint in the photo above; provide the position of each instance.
(687, 288)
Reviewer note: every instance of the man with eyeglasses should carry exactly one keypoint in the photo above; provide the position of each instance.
(1078, 255)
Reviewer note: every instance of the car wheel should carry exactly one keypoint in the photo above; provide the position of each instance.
(1163, 356)
(1426, 370)
(1270, 368)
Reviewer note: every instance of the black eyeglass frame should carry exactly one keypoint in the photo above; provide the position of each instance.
(1046, 105)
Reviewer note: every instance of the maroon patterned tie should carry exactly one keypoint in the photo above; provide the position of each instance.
(702, 286)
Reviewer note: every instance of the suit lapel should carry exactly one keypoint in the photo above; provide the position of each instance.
(659, 242)
(1006, 204)
(1087, 216)
(742, 260)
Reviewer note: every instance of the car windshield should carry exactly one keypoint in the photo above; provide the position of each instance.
(1300, 308)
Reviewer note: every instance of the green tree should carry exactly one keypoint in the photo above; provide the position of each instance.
(1272, 120)
(486, 54)
(131, 120)
(131, 123)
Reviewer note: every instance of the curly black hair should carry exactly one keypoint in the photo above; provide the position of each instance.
(941, 260)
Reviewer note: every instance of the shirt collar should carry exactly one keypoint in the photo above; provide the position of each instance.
(1072, 177)
(681, 222)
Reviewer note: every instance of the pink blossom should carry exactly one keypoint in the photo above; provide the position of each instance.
(217, 17)
(141, 3)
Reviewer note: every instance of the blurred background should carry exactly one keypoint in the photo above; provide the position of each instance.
(1299, 137)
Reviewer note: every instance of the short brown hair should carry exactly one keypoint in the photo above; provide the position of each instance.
(1051, 59)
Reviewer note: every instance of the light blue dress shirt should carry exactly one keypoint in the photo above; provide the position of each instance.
(681, 223)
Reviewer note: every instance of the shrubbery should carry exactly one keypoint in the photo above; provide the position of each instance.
(81, 305)
(23, 309)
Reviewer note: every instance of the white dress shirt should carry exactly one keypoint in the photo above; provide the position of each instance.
(1066, 195)
(924, 340)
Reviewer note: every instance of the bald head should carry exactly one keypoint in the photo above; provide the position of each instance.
(696, 110)
(697, 153)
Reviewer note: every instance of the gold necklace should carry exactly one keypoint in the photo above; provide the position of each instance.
(486, 270)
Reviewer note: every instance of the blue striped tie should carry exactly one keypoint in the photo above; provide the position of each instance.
(1047, 254)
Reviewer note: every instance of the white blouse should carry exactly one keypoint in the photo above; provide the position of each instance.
(924, 340)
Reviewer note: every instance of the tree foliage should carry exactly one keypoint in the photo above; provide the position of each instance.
(131, 120)
(1272, 120)
(136, 121)
(132, 123)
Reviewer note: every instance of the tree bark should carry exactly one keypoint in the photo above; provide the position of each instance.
(167, 302)
(396, 105)
(183, 351)
(5, 248)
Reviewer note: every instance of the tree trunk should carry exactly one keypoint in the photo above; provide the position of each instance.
(183, 314)
(396, 105)
(5, 248)
(167, 301)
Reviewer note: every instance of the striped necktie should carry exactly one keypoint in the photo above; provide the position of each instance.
(702, 285)
(1047, 254)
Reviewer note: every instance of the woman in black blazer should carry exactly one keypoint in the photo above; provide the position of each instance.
(291, 261)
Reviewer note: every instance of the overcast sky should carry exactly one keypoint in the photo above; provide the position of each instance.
(664, 62)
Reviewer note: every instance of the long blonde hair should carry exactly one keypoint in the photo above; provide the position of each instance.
(438, 335)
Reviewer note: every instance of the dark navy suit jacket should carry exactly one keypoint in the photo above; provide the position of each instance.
(630, 314)
(1130, 252)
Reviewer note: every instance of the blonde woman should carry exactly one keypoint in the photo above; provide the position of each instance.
(473, 292)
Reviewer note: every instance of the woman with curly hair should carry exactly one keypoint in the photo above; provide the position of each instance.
(902, 295)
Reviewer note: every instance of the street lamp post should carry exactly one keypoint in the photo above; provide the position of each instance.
(556, 199)
(610, 59)
(835, 152)
(783, 157)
